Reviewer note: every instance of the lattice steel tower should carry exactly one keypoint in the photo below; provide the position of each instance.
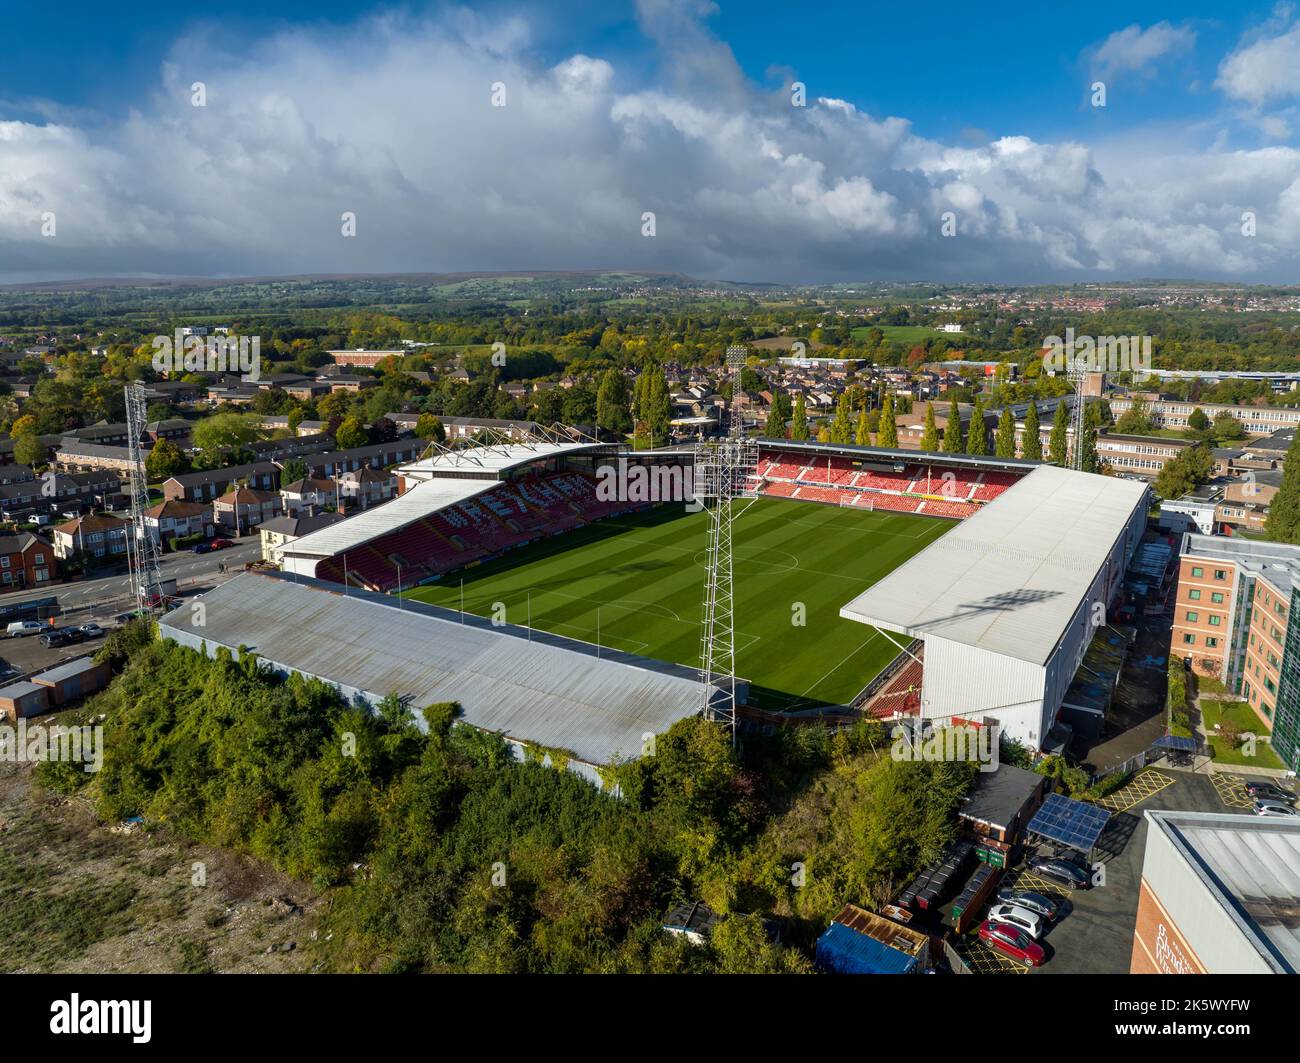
(1077, 373)
(142, 550)
(724, 473)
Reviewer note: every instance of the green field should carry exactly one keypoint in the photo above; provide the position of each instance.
(906, 333)
(636, 584)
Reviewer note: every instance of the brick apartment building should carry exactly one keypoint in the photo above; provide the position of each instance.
(1232, 620)
(363, 357)
(1174, 413)
(1139, 455)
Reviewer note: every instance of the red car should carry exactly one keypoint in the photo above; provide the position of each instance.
(220, 544)
(1012, 942)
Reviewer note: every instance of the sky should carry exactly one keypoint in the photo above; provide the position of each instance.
(753, 141)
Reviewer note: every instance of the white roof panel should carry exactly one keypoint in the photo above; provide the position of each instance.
(1008, 579)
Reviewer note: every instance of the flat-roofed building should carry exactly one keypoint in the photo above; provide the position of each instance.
(1219, 894)
(1232, 620)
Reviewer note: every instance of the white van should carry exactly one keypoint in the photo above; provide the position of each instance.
(23, 627)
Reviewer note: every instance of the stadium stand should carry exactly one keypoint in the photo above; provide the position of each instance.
(930, 489)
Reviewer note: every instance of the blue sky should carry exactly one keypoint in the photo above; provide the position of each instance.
(674, 106)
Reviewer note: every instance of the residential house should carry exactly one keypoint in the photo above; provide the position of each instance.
(366, 487)
(209, 484)
(242, 509)
(26, 560)
(280, 530)
(97, 536)
(376, 455)
(308, 494)
(176, 519)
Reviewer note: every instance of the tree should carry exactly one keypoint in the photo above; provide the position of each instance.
(1005, 441)
(1091, 426)
(841, 426)
(296, 417)
(1059, 441)
(429, 427)
(1283, 522)
(1227, 428)
(977, 440)
(1136, 420)
(930, 437)
(28, 449)
(862, 434)
(888, 434)
(224, 431)
(293, 470)
(1193, 467)
(165, 460)
(953, 442)
(1032, 446)
(1197, 421)
(612, 400)
(351, 433)
(777, 416)
(799, 421)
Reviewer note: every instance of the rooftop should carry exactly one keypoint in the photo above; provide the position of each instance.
(1252, 867)
(530, 686)
(998, 795)
(1008, 579)
(1277, 561)
(494, 459)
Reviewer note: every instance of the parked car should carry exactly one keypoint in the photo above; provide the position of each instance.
(92, 630)
(19, 628)
(1054, 869)
(221, 544)
(1268, 791)
(1020, 918)
(1274, 808)
(127, 617)
(203, 548)
(1043, 907)
(73, 634)
(1012, 942)
(55, 637)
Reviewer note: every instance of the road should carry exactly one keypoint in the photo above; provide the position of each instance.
(111, 593)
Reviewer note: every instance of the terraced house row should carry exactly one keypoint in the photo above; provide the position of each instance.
(1233, 619)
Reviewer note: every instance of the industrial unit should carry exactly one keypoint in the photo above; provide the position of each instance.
(1009, 600)
(1220, 895)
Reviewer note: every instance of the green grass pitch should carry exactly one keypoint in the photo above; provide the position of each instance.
(636, 583)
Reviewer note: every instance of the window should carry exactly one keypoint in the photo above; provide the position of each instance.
(1220, 574)
(4, 562)
(1189, 639)
(1196, 571)
(1215, 621)
(1216, 597)
(1192, 617)
(1211, 642)
(1194, 596)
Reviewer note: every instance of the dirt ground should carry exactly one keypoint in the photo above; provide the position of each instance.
(79, 896)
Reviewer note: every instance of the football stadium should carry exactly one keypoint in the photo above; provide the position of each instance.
(568, 576)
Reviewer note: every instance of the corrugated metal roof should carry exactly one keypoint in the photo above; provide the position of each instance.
(496, 458)
(550, 691)
(1008, 579)
(1253, 863)
(21, 689)
(66, 671)
(420, 501)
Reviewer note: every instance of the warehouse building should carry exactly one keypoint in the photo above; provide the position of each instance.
(1220, 894)
(1009, 600)
(590, 704)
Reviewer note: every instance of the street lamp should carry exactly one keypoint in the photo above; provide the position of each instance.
(399, 583)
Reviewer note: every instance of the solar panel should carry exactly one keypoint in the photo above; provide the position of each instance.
(1069, 822)
(1187, 745)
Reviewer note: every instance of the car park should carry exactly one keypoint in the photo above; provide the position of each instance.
(1020, 918)
(1275, 809)
(1043, 907)
(1268, 791)
(19, 628)
(1062, 872)
(1012, 942)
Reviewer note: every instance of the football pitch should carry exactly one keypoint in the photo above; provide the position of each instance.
(636, 583)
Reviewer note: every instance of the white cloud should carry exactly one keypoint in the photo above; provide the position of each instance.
(393, 120)
(1136, 50)
(1263, 71)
